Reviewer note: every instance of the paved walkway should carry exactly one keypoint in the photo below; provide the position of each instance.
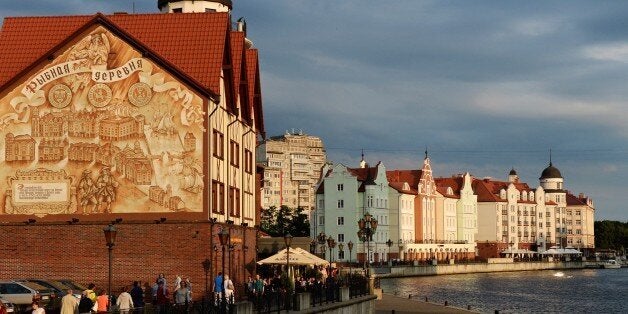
(388, 303)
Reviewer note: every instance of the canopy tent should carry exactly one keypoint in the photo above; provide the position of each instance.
(298, 256)
(565, 251)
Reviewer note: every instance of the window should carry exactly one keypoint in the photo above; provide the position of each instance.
(234, 154)
(178, 10)
(341, 187)
(218, 144)
(321, 204)
(341, 204)
(234, 202)
(218, 190)
(321, 220)
(341, 221)
(341, 237)
(369, 201)
(248, 161)
(341, 254)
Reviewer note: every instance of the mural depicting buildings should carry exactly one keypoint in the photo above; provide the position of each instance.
(165, 197)
(121, 128)
(135, 165)
(52, 149)
(106, 153)
(83, 124)
(189, 142)
(82, 152)
(51, 124)
(19, 148)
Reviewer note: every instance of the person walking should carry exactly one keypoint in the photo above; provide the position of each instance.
(182, 297)
(229, 288)
(86, 304)
(162, 298)
(69, 303)
(102, 301)
(125, 301)
(218, 286)
(137, 294)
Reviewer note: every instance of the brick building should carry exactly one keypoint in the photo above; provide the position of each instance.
(208, 74)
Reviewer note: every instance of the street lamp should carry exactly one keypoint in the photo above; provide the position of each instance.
(110, 237)
(389, 243)
(350, 246)
(322, 237)
(207, 265)
(287, 239)
(331, 243)
(367, 226)
(224, 236)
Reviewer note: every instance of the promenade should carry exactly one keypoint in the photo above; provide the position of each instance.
(390, 303)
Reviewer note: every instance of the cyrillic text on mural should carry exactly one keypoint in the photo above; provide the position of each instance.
(102, 113)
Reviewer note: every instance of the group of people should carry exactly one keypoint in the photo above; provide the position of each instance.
(181, 297)
(97, 301)
(223, 284)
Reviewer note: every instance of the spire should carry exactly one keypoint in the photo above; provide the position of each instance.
(550, 151)
(362, 161)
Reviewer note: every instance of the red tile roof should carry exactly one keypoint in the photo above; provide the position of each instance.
(454, 183)
(255, 90)
(573, 200)
(412, 177)
(399, 187)
(194, 43)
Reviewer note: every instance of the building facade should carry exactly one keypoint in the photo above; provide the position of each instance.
(123, 127)
(293, 164)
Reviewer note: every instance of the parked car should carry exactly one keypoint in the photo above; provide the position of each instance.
(8, 305)
(23, 294)
(77, 288)
(58, 289)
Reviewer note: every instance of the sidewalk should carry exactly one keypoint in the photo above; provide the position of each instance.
(388, 303)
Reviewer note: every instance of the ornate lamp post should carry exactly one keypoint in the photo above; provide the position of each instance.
(331, 243)
(389, 243)
(224, 236)
(110, 237)
(287, 239)
(350, 246)
(367, 226)
(322, 237)
(207, 265)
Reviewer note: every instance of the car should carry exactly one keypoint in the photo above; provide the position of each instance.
(56, 287)
(73, 285)
(23, 294)
(7, 305)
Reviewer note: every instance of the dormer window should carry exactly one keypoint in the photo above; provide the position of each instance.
(502, 194)
(524, 195)
(406, 186)
(450, 191)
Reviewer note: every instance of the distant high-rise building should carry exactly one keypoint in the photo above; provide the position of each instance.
(293, 164)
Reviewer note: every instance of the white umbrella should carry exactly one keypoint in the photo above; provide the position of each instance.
(298, 256)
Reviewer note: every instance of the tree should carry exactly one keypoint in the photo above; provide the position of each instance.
(611, 234)
(279, 221)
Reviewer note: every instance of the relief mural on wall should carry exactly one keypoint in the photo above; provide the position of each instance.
(101, 130)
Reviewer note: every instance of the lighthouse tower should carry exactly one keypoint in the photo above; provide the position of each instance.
(194, 6)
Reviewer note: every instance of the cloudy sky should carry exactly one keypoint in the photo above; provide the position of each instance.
(484, 85)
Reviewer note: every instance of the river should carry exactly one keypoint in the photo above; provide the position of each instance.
(578, 291)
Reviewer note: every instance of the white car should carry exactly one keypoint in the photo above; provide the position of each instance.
(22, 295)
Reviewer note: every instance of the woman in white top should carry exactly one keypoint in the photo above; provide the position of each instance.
(37, 309)
(229, 289)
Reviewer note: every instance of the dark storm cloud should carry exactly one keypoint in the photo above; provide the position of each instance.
(486, 85)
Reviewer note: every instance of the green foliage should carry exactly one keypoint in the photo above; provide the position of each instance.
(313, 273)
(611, 234)
(279, 221)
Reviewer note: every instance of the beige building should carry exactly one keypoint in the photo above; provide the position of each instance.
(293, 164)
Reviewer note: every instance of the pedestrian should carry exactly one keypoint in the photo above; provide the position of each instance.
(162, 298)
(188, 283)
(229, 288)
(3, 308)
(37, 309)
(182, 297)
(90, 292)
(125, 301)
(137, 295)
(102, 301)
(218, 288)
(69, 303)
(86, 304)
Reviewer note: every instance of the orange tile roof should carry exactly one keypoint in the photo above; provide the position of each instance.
(193, 43)
(399, 187)
(411, 176)
(237, 56)
(454, 183)
(255, 92)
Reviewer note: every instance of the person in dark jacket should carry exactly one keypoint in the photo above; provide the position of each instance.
(137, 294)
(86, 304)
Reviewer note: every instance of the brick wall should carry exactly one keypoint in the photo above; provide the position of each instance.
(141, 252)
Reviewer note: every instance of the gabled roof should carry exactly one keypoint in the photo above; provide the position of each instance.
(192, 43)
(488, 190)
(455, 183)
(573, 200)
(255, 90)
(366, 176)
(412, 177)
(399, 187)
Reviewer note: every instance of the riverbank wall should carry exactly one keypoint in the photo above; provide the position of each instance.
(450, 269)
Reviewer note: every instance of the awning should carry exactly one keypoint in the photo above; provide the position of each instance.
(555, 251)
(298, 256)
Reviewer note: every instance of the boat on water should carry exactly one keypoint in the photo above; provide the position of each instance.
(611, 264)
(559, 274)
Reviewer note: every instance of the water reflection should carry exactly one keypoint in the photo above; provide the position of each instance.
(578, 291)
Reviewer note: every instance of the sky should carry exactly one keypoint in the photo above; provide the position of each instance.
(484, 86)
